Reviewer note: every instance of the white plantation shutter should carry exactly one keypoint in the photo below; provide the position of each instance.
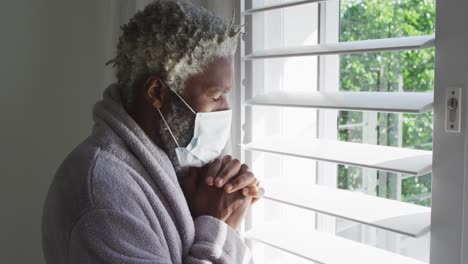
(396, 102)
(409, 161)
(350, 47)
(395, 216)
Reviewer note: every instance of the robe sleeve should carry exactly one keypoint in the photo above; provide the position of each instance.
(110, 237)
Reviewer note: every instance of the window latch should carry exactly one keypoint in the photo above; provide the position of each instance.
(453, 110)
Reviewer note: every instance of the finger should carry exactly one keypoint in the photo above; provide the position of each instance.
(255, 192)
(226, 159)
(213, 169)
(226, 173)
(254, 200)
(255, 182)
(244, 168)
(243, 180)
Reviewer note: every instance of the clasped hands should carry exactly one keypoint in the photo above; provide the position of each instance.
(223, 188)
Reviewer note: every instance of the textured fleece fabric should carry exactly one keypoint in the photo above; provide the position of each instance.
(116, 199)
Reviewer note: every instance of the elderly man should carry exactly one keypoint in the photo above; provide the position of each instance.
(149, 185)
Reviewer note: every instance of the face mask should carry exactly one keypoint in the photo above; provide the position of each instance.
(210, 135)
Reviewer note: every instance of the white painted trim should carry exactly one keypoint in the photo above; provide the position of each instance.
(278, 6)
(449, 232)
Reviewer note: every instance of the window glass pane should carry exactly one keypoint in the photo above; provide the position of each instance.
(294, 26)
(387, 71)
(265, 254)
(288, 123)
(349, 178)
(383, 239)
(417, 131)
(398, 71)
(291, 74)
(409, 71)
(285, 27)
(417, 190)
(376, 19)
(268, 212)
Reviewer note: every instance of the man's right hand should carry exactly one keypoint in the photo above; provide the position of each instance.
(203, 199)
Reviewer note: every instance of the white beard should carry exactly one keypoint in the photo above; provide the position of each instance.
(181, 121)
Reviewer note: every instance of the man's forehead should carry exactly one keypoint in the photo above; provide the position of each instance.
(218, 83)
(218, 76)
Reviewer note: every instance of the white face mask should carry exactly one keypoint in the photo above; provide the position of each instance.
(210, 135)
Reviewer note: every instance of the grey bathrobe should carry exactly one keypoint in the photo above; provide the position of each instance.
(116, 199)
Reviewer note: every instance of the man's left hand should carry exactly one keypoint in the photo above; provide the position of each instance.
(231, 175)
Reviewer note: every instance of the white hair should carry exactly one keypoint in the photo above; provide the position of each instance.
(174, 39)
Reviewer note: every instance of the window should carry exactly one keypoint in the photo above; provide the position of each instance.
(337, 120)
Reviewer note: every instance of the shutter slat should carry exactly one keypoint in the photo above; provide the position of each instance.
(322, 247)
(395, 102)
(400, 160)
(403, 218)
(278, 6)
(351, 47)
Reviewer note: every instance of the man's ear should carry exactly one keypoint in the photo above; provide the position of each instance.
(155, 91)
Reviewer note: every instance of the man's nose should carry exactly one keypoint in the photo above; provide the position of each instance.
(224, 105)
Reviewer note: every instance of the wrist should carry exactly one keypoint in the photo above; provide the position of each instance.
(223, 216)
(233, 224)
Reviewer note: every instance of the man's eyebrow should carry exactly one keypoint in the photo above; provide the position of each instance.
(217, 89)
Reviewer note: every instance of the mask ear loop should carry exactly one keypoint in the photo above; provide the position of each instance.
(182, 99)
(170, 131)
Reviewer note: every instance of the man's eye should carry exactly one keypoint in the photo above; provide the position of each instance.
(214, 99)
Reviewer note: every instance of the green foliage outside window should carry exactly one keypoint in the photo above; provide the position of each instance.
(390, 72)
